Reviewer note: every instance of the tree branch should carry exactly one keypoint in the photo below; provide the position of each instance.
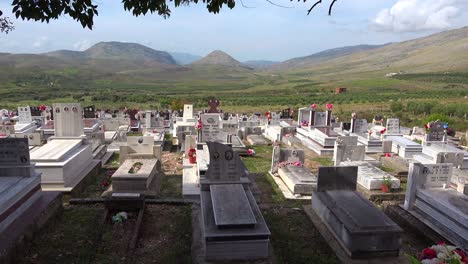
(319, 2)
(331, 6)
(278, 5)
(310, 9)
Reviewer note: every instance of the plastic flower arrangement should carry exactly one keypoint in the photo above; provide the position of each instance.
(313, 106)
(441, 254)
(198, 126)
(286, 163)
(251, 152)
(383, 131)
(42, 107)
(304, 123)
(329, 106)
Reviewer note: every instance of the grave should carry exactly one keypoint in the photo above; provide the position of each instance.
(318, 135)
(190, 176)
(184, 125)
(404, 147)
(436, 131)
(24, 208)
(347, 149)
(257, 140)
(140, 148)
(67, 158)
(440, 152)
(135, 176)
(371, 138)
(25, 124)
(430, 199)
(288, 165)
(233, 227)
(361, 230)
(371, 177)
(249, 130)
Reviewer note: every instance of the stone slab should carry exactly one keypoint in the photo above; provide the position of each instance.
(340, 250)
(231, 206)
(55, 150)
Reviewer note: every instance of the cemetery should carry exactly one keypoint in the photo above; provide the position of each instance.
(225, 187)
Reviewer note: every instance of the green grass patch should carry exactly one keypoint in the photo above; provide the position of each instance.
(323, 161)
(71, 240)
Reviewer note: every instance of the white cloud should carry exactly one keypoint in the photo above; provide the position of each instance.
(417, 15)
(41, 42)
(82, 45)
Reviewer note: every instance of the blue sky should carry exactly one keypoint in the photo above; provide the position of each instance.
(262, 32)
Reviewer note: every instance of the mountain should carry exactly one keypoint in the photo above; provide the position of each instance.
(218, 57)
(441, 52)
(184, 58)
(117, 51)
(260, 64)
(324, 56)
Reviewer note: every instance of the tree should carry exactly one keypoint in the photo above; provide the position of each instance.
(84, 11)
(5, 24)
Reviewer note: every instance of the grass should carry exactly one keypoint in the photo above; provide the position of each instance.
(261, 162)
(323, 161)
(295, 239)
(171, 186)
(70, 240)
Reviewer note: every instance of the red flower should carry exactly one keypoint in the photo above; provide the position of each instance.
(441, 243)
(383, 131)
(42, 107)
(426, 126)
(429, 253)
(105, 183)
(313, 106)
(329, 106)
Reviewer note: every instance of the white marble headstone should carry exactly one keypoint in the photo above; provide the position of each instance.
(24, 115)
(68, 120)
(188, 112)
(393, 126)
(320, 119)
(211, 128)
(437, 175)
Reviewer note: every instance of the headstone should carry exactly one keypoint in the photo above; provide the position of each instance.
(285, 155)
(68, 120)
(211, 128)
(141, 144)
(320, 119)
(6, 130)
(89, 111)
(225, 164)
(337, 179)
(213, 104)
(35, 111)
(436, 131)
(34, 139)
(14, 158)
(393, 126)
(347, 149)
(188, 112)
(360, 126)
(24, 115)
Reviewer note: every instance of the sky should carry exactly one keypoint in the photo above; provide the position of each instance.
(261, 31)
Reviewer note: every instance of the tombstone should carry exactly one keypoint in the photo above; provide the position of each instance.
(89, 112)
(306, 116)
(393, 126)
(430, 199)
(24, 115)
(275, 119)
(34, 139)
(132, 113)
(436, 131)
(14, 158)
(36, 111)
(320, 119)
(232, 224)
(68, 120)
(289, 165)
(211, 128)
(213, 104)
(140, 148)
(347, 149)
(359, 126)
(188, 112)
(346, 126)
(6, 130)
(361, 229)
